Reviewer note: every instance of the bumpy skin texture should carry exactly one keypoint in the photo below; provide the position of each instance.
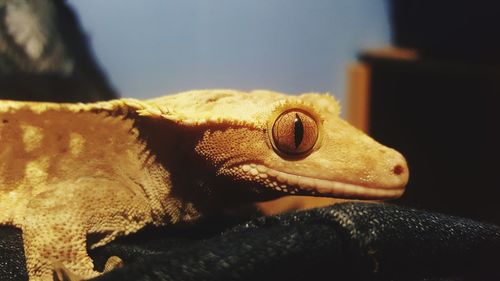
(74, 176)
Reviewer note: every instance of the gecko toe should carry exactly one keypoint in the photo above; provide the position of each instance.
(112, 263)
(61, 273)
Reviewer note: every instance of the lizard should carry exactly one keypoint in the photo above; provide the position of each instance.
(75, 176)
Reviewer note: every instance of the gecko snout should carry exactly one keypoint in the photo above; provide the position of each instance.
(399, 170)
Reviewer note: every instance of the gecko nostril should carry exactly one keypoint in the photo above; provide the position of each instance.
(398, 170)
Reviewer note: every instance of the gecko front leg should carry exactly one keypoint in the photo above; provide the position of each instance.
(61, 273)
(56, 228)
(44, 249)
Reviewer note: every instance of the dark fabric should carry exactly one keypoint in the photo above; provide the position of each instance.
(353, 241)
(12, 260)
(343, 242)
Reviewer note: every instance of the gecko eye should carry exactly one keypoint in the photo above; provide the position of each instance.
(294, 132)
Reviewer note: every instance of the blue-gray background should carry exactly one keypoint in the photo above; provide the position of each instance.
(155, 47)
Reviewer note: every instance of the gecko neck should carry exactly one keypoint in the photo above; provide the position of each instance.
(167, 163)
(169, 176)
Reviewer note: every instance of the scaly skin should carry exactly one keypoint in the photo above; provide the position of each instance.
(73, 175)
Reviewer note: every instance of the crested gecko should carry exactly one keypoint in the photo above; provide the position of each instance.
(71, 172)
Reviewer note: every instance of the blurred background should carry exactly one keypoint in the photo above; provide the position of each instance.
(150, 48)
(421, 76)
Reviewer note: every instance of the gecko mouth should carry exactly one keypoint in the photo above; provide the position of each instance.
(303, 185)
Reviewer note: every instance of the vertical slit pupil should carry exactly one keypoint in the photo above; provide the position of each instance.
(299, 130)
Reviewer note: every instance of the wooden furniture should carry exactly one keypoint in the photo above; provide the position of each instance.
(444, 117)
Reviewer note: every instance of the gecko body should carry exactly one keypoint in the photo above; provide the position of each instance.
(74, 176)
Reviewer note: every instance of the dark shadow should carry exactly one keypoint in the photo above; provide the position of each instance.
(462, 30)
(45, 56)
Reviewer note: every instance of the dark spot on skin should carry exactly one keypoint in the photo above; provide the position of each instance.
(299, 130)
(5, 121)
(398, 170)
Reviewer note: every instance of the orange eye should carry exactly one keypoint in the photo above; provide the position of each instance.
(295, 132)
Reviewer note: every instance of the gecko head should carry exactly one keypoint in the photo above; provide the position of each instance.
(289, 144)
